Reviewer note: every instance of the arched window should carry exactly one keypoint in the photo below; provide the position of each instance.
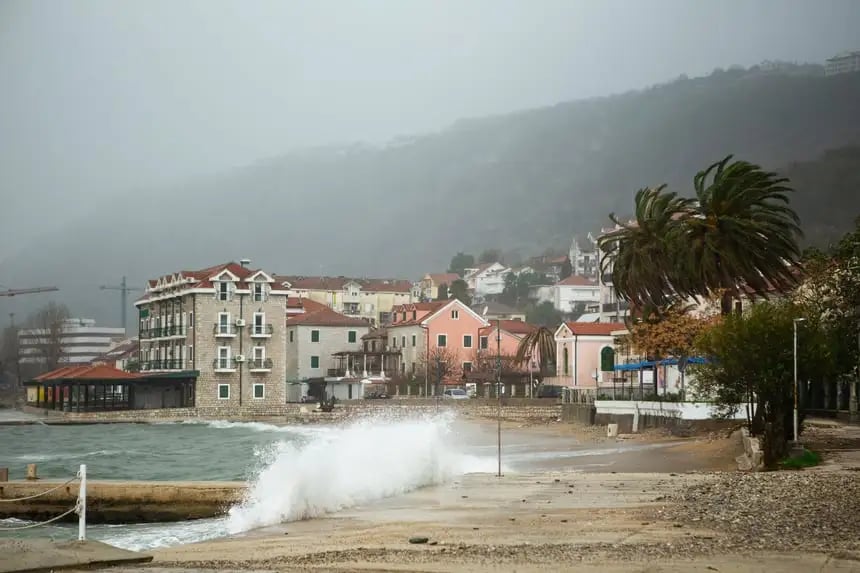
(607, 359)
(565, 362)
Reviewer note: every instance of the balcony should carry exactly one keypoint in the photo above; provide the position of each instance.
(172, 331)
(165, 364)
(260, 365)
(261, 330)
(224, 330)
(224, 365)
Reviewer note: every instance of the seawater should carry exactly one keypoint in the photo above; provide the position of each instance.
(294, 472)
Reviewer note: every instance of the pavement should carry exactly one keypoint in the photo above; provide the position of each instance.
(20, 555)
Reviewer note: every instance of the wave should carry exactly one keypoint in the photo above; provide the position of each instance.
(259, 427)
(370, 459)
(34, 458)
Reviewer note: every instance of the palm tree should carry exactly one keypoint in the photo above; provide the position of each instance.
(742, 234)
(539, 343)
(641, 256)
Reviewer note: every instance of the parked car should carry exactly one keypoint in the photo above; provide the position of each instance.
(377, 396)
(549, 391)
(455, 394)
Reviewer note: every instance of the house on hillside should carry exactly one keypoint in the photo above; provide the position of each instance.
(551, 266)
(486, 280)
(583, 256)
(576, 294)
(585, 353)
(431, 282)
(123, 356)
(314, 343)
(368, 299)
(497, 311)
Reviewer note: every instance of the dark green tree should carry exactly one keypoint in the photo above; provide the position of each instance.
(460, 290)
(566, 269)
(460, 262)
(490, 256)
(442, 292)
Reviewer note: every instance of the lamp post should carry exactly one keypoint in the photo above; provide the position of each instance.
(796, 320)
(499, 393)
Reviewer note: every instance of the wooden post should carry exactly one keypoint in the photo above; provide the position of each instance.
(4, 474)
(32, 472)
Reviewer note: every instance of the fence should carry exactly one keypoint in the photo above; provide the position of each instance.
(80, 506)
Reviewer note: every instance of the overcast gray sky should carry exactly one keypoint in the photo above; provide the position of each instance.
(98, 97)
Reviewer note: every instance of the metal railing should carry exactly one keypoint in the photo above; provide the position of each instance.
(223, 364)
(80, 506)
(260, 364)
(224, 329)
(165, 364)
(163, 331)
(261, 330)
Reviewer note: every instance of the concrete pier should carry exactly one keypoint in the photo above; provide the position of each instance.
(122, 501)
(32, 555)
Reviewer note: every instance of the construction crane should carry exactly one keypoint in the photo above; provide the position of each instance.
(124, 289)
(16, 292)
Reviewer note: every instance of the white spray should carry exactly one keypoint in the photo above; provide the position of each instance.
(365, 461)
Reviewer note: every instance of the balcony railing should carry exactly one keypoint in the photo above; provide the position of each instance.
(261, 330)
(225, 330)
(165, 364)
(163, 332)
(260, 364)
(224, 365)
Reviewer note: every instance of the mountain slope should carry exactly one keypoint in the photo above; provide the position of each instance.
(528, 179)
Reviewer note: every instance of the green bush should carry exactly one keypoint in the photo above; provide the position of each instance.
(807, 459)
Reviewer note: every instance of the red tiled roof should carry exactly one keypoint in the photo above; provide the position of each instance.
(298, 282)
(594, 328)
(422, 311)
(576, 280)
(305, 304)
(517, 327)
(87, 372)
(201, 277)
(443, 278)
(325, 317)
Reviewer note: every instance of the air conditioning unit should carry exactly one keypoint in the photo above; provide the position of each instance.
(240, 358)
(240, 322)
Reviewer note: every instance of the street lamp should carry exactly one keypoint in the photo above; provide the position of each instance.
(796, 436)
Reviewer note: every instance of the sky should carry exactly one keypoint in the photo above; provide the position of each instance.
(99, 98)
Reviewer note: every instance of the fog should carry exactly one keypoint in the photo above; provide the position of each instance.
(102, 97)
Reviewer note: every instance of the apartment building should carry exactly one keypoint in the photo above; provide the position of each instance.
(224, 324)
(844, 63)
(486, 280)
(429, 285)
(314, 340)
(73, 341)
(367, 299)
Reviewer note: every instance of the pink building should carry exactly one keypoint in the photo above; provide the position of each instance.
(419, 329)
(585, 353)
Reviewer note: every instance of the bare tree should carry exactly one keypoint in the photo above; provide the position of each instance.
(441, 365)
(45, 335)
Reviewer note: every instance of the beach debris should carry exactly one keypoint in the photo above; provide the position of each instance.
(418, 540)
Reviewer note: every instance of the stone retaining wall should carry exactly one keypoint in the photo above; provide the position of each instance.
(522, 410)
(578, 413)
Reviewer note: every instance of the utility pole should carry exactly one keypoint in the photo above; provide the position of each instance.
(17, 349)
(499, 392)
(124, 289)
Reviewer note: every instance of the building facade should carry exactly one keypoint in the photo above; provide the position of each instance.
(367, 299)
(225, 324)
(429, 285)
(486, 280)
(846, 63)
(314, 340)
(72, 341)
(576, 294)
(585, 353)
(497, 311)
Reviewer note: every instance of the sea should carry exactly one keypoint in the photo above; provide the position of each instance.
(294, 472)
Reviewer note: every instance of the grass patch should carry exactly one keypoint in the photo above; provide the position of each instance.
(807, 459)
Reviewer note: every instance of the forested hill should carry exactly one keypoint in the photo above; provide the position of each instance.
(525, 180)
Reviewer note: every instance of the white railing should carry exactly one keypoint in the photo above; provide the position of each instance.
(80, 506)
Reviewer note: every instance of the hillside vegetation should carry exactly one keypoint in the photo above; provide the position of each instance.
(526, 180)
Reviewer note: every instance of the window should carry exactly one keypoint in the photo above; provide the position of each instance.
(259, 323)
(455, 314)
(403, 341)
(467, 367)
(259, 353)
(351, 336)
(190, 320)
(607, 359)
(223, 291)
(259, 292)
(224, 323)
(259, 391)
(414, 315)
(413, 368)
(414, 338)
(565, 362)
(441, 340)
(291, 336)
(315, 362)
(485, 342)
(315, 335)
(393, 342)
(223, 358)
(190, 355)
(402, 368)
(467, 341)
(223, 391)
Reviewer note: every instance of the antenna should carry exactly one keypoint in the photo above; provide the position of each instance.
(245, 263)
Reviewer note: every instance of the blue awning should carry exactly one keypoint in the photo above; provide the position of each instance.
(652, 363)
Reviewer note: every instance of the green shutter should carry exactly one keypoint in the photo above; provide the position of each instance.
(607, 359)
(315, 361)
(351, 336)
(315, 335)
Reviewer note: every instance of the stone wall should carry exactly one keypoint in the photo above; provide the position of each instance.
(519, 410)
(579, 413)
